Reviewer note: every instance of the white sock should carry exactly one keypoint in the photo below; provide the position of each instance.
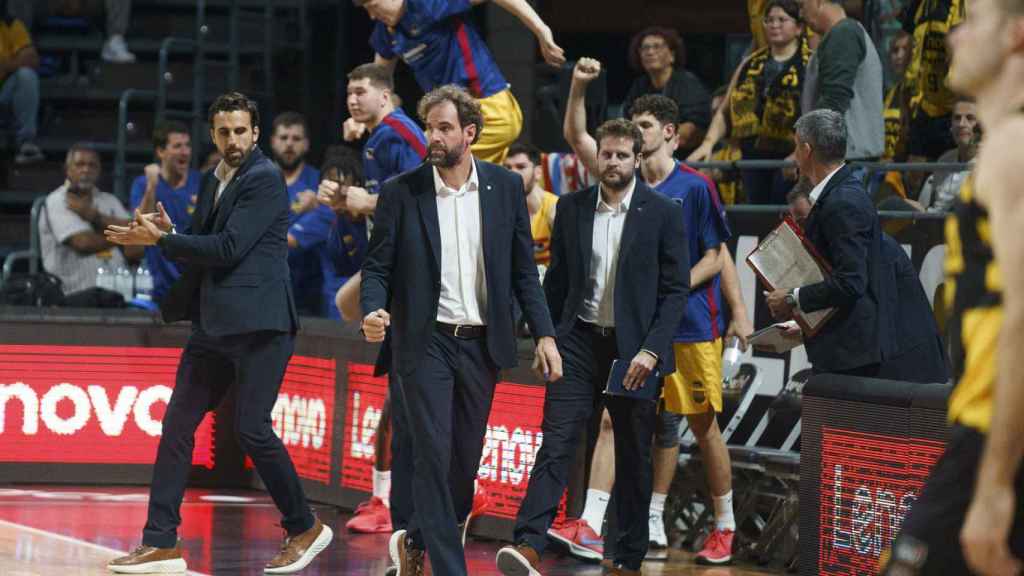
(658, 503)
(382, 486)
(594, 509)
(723, 512)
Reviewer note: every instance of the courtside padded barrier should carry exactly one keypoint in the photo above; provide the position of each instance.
(867, 448)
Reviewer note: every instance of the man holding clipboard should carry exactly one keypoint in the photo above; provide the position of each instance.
(844, 231)
(617, 288)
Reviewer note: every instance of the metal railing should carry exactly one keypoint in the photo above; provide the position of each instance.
(870, 165)
(121, 148)
(872, 168)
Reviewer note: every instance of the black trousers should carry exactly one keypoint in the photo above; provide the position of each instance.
(401, 457)
(568, 406)
(209, 366)
(446, 400)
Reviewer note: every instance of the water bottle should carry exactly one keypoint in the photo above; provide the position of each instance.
(104, 278)
(123, 282)
(143, 284)
(731, 360)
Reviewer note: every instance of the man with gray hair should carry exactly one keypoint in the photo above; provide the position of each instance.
(845, 75)
(843, 227)
(72, 223)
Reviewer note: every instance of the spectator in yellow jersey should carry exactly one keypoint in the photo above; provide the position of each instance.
(524, 159)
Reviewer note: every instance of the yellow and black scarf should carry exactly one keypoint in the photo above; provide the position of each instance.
(898, 110)
(929, 65)
(766, 113)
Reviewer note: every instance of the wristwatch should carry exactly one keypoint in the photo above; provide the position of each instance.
(791, 299)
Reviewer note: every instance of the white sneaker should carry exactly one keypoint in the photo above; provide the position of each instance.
(656, 530)
(116, 51)
(657, 548)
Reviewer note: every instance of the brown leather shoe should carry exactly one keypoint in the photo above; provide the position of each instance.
(148, 559)
(410, 560)
(298, 551)
(519, 560)
(620, 570)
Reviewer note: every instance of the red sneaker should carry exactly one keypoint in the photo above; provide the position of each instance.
(481, 502)
(581, 540)
(717, 548)
(371, 517)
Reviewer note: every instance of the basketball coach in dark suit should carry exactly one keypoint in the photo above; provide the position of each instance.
(843, 226)
(235, 289)
(915, 352)
(617, 287)
(450, 247)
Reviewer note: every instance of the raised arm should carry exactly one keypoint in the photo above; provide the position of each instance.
(521, 9)
(575, 126)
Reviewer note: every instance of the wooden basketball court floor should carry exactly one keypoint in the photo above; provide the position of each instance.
(69, 531)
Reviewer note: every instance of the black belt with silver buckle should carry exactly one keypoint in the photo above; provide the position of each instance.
(602, 331)
(462, 331)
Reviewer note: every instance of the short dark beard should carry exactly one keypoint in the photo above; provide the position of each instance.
(245, 154)
(616, 187)
(449, 160)
(288, 166)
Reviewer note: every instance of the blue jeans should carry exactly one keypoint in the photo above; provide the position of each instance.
(20, 91)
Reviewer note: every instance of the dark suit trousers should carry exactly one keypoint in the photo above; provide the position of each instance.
(401, 457)
(402, 463)
(447, 400)
(209, 367)
(568, 406)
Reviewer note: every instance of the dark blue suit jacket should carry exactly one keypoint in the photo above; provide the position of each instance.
(843, 226)
(402, 271)
(914, 350)
(235, 255)
(653, 276)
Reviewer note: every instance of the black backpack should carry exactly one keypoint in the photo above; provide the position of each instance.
(41, 290)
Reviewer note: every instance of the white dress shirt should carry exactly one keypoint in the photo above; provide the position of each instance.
(817, 190)
(463, 280)
(599, 302)
(813, 197)
(223, 173)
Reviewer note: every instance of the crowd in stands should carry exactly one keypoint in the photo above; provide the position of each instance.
(806, 54)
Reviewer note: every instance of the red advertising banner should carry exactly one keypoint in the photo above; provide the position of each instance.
(510, 446)
(303, 416)
(868, 483)
(89, 404)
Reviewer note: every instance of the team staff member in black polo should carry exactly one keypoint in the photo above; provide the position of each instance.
(617, 286)
(235, 288)
(451, 245)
